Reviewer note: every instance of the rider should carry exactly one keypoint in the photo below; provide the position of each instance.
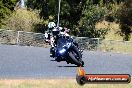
(52, 34)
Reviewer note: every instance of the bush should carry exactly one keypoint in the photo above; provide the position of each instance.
(22, 20)
(92, 15)
(124, 16)
(6, 8)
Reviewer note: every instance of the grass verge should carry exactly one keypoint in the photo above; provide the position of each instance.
(54, 83)
(116, 46)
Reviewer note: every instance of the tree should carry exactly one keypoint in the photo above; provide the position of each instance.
(46, 7)
(22, 20)
(125, 19)
(72, 14)
(92, 15)
(6, 7)
(71, 11)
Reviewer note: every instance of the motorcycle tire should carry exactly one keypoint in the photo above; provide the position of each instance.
(82, 63)
(76, 62)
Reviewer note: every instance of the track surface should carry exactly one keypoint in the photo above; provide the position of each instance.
(34, 62)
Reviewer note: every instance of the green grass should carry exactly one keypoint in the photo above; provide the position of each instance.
(116, 46)
(54, 83)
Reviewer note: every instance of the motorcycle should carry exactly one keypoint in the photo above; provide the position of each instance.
(66, 50)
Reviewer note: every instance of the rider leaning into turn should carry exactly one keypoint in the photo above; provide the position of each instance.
(52, 34)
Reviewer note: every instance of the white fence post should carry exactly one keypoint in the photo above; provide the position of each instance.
(98, 39)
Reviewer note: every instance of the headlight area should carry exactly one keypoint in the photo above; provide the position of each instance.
(62, 51)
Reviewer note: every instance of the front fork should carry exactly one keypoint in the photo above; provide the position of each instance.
(76, 50)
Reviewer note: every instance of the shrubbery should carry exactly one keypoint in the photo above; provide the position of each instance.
(6, 8)
(80, 16)
(124, 16)
(92, 15)
(22, 20)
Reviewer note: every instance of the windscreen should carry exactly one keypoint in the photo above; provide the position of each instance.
(61, 42)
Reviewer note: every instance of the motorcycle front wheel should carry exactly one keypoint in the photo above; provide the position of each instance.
(75, 61)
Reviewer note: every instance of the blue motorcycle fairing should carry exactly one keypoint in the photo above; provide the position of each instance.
(63, 44)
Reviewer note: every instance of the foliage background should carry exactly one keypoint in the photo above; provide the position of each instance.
(81, 16)
(6, 8)
(22, 20)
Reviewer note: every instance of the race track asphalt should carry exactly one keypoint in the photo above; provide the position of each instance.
(34, 62)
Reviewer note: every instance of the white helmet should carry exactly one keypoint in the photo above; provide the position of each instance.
(51, 25)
